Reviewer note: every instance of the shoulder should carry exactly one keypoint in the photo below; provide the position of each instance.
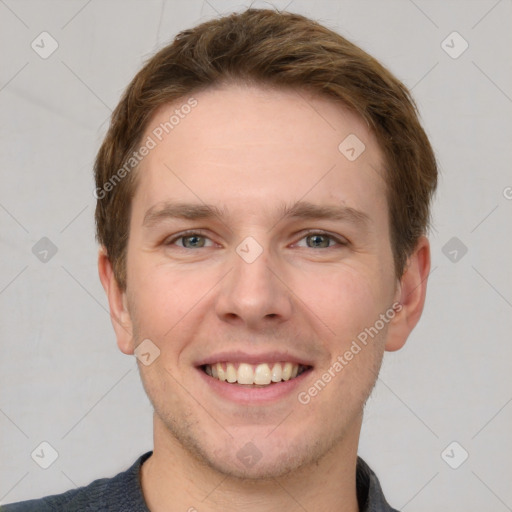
(90, 497)
(369, 492)
(121, 492)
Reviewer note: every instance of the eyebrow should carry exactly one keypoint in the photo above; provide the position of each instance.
(307, 210)
(187, 211)
(299, 210)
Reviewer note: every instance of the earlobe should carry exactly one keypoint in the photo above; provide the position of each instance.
(117, 301)
(411, 295)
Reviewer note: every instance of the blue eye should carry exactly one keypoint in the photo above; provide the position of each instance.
(321, 240)
(196, 240)
(190, 240)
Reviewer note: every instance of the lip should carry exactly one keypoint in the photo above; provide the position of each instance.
(255, 358)
(245, 395)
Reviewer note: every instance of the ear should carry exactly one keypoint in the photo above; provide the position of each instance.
(119, 315)
(411, 292)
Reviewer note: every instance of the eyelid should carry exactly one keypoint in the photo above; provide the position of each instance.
(337, 238)
(183, 234)
(169, 240)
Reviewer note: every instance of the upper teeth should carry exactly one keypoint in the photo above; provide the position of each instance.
(262, 374)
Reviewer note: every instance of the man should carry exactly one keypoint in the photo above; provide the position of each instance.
(263, 199)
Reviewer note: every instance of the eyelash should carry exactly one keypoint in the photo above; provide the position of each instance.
(186, 234)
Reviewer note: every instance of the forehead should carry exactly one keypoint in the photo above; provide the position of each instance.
(244, 146)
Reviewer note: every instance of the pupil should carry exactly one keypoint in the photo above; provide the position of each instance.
(194, 241)
(318, 238)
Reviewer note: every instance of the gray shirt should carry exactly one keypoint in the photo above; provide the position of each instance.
(123, 493)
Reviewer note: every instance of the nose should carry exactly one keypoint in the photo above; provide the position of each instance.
(254, 294)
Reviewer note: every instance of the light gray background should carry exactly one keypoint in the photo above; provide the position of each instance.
(62, 377)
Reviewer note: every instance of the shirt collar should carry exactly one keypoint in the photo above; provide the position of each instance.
(370, 497)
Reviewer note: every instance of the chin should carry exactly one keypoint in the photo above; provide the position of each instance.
(257, 458)
(267, 464)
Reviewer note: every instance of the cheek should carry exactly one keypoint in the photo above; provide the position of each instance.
(164, 298)
(346, 300)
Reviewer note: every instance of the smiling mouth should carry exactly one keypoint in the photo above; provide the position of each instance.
(254, 375)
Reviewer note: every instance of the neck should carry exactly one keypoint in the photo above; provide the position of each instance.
(173, 479)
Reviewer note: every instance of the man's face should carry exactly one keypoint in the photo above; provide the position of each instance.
(256, 285)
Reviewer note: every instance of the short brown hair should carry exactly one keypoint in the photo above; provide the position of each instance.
(275, 49)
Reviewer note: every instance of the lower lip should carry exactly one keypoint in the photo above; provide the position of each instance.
(250, 395)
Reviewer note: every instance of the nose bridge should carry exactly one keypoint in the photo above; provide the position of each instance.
(252, 292)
